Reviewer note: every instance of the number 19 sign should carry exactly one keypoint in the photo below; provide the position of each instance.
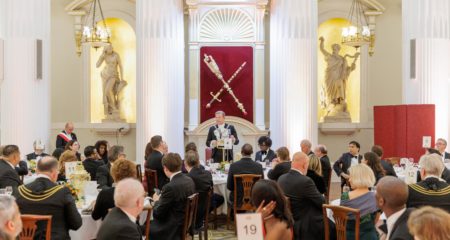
(249, 226)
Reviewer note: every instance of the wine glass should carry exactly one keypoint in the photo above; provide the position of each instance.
(9, 190)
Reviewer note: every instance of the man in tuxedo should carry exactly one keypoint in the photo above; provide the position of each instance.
(305, 146)
(8, 173)
(66, 135)
(432, 190)
(154, 160)
(103, 174)
(306, 201)
(92, 162)
(378, 150)
(44, 197)
(441, 145)
(219, 132)
(10, 221)
(38, 153)
(265, 153)
(120, 223)
(244, 166)
(168, 210)
(391, 197)
(348, 159)
(321, 152)
(203, 183)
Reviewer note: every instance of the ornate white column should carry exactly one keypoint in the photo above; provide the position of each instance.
(25, 99)
(293, 72)
(426, 31)
(160, 73)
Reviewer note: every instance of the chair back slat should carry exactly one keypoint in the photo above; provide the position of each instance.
(327, 193)
(151, 177)
(340, 215)
(139, 172)
(247, 181)
(29, 226)
(189, 215)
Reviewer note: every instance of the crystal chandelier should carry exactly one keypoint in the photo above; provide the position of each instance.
(95, 35)
(357, 34)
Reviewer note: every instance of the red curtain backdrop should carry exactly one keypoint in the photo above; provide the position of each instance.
(229, 59)
(400, 129)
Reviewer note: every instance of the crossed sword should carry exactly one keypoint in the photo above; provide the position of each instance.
(212, 65)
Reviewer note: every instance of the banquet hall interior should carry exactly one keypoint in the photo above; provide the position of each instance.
(224, 119)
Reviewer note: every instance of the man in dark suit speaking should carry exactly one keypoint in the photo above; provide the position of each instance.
(219, 133)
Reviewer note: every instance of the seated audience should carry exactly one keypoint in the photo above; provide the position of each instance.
(44, 197)
(445, 172)
(265, 153)
(441, 145)
(67, 156)
(273, 207)
(65, 136)
(391, 197)
(306, 146)
(121, 169)
(92, 162)
(432, 190)
(153, 162)
(280, 165)
(104, 178)
(10, 221)
(168, 209)
(361, 179)
(372, 160)
(321, 152)
(8, 173)
(190, 147)
(102, 150)
(203, 183)
(429, 223)
(73, 146)
(387, 166)
(38, 153)
(120, 224)
(315, 173)
(347, 160)
(244, 166)
(57, 153)
(306, 201)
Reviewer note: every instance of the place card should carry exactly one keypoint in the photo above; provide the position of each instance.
(70, 168)
(249, 226)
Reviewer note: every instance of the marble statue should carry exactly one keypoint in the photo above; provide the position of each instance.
(112, 82)
(336, 76)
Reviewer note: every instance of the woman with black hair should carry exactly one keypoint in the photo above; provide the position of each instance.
(274, 209)
(372, 160)
(102, 150)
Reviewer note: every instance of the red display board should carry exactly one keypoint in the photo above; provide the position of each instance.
(400, 129)
(228, 59)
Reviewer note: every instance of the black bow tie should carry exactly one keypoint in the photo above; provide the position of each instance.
(264, 152)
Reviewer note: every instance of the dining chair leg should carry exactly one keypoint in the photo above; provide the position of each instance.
(228, 218)
(235, 222)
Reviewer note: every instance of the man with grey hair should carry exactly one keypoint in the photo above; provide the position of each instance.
(432, 190)
(322, 153)
(216, 136)
(66, 135)
(441, 145)
(104, 178)
(10, 221)
(120, 223)
(306, 146)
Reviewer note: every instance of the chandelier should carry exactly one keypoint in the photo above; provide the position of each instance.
(95, 35)
(358, 33)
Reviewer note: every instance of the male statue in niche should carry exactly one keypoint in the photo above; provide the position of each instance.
(112, 82)
(336, 76)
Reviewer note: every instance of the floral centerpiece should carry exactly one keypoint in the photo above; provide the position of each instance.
(32, 165)
(73, 190)
(77, 181)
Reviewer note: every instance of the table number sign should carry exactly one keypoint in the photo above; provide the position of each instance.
(426, 142)
(70, 168)
(249, 226)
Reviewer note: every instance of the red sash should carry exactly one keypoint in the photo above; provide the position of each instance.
(64, 136)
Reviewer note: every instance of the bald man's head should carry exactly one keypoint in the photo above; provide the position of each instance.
(392, 193)
(129, 195)
(300, 162)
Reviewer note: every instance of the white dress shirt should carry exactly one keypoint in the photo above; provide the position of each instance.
(390, 222)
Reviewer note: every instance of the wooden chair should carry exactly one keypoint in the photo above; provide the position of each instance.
(327, 193)
(340, 215)
(204, 228)
(29, 226)
(139, 172)
(247, 181)
(190, 212)
(152, 180)
(147, 221)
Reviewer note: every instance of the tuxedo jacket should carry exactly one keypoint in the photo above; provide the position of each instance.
(33, 155)
(44, 197)
(203, 183)
(306, 204)
(154, 162)
(61, 142)
(168, 212)
(280, 169)
(217, 153)
(445, 175)
(9, 177)
(104, 202)
(243, 166)
(446, 155)
(118, 226)
(270, 156)
(326, 168)
(430, 191)
(318, 180)
(388, 168)
(104, 178)
(22, 168)
(343, 164)
(400, 229)
(91, 166)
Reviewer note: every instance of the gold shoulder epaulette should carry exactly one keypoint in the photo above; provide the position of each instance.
(420, 189)
(29, 195)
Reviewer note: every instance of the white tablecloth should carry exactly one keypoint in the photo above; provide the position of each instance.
(88, 230)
